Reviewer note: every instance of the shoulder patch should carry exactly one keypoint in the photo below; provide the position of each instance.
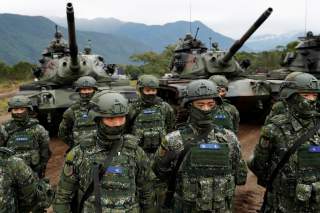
(174, 141)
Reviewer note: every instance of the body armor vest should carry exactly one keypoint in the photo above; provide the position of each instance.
(222, 118)
(150, 127)
(205, 175)
(118, 185)
(24, 143)
(84, 126)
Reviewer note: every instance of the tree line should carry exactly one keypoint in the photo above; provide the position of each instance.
(20, 71)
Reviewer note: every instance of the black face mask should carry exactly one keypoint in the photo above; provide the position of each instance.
(86, 97)
(202, 119)
(108, 135)
(21, 117)
(303, 107)
(149, 99)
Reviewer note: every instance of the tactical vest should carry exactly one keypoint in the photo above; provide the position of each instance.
(84, 126)
(223, 118)
(25, 145)
(299, 179)
(118, 185)
(149, 126)
(205, 176)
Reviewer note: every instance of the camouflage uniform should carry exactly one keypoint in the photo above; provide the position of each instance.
(126, 185)
(151, 117)
(296, 187)
(27, 137)
(213, 166)
(21, 191)
(76, 123)
(233, 112)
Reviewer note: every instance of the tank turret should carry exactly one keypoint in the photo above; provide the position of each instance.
(193, 65)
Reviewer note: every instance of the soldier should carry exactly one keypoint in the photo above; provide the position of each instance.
(201, 162)
(280, 106)
(25, 135)
(114, 165)
(76, 123)
(286, 159)
(151, 117)
(222, 84)
(21, 190)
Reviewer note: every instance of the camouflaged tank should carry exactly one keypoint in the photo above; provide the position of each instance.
(192, 60)
(60, 66)
(305, 58)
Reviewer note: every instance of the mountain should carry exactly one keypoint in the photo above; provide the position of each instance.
(270, 41)
(25, 37)
(155, 36)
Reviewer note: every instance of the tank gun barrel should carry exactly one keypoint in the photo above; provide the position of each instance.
(239, 43)
(72, 38)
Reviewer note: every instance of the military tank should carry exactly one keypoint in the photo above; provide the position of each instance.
(305, 58)
(53, 91)
(192, 60)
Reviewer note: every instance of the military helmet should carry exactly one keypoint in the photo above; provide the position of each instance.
(85, 82)
(201, 89)
(108, 104)
(220, 80)
(299, 82)
(147, 81)
(19, 101)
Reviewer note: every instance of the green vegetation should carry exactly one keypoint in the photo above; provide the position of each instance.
(9, 75)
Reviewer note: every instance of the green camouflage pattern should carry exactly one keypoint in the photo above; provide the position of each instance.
(151, 123)
(77, 125)
(29, 141)
(19, 187)
(296, 187)
(125, 187)
(206, 180)
(279, 107)
(235, 116)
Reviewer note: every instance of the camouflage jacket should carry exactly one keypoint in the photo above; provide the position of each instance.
(279, 107)
(19, 187)
(125, 187)
(234, 113)
(76, 124)
(210, 170)
(151, 123)
(30, 142)
(297, 186)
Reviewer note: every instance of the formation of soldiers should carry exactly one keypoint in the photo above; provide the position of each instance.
(132, 157)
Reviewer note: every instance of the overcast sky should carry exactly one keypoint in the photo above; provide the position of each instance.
(230, 17)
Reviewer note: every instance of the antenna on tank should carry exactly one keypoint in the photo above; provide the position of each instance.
(305, 16)
(190, 28)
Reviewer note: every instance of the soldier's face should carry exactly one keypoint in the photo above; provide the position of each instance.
(86, 90)
(204, 104)
(222, 92)
(310, 96)
(19, 110)
(114, 121)
(149, 91)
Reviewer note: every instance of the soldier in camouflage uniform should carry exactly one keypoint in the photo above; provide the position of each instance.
(21, 191)
(25, 135)
(228, 110)
(126, 181)
(296, 187)
(280, 106)
(211, 163)
(151, 117)
(77, 123)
